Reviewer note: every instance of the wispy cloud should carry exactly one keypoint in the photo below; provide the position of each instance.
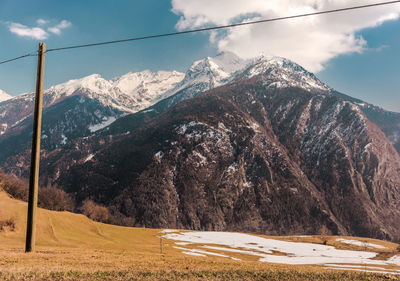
(42, 22)
(59, 27)
(30, 32)
(381, 48)
(38, 32)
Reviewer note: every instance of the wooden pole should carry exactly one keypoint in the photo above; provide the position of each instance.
(35, 158)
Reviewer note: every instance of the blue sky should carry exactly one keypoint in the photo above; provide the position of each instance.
(362, 61)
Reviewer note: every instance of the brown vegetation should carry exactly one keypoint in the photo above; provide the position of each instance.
(49, 197)
(95, 211)
(53, 198)
(7, 224)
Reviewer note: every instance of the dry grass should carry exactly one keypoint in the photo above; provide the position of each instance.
(72, 247)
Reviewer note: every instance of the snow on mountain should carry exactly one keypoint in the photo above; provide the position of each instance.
(4, 96)
(212, 72)
(225, 67)
(208, 73)
(129, 93)
(147, 87)
(283, 73)
(133, 92)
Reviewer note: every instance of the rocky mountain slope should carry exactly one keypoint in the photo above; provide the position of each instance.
(246, 157)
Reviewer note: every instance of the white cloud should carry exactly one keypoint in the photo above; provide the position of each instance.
(42, 22)
(310, 41)
(57, 29)
(25, 31)
(37, 32)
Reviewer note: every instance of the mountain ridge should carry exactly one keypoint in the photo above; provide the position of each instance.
(238, 158)
(4, 96)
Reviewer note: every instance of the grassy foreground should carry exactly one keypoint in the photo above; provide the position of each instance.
(72, 247)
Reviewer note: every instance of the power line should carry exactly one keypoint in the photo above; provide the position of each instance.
(17, 58)
(210, 28)
(222, 26)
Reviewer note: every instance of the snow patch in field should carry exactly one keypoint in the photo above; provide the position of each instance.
(364, 270)
(395, 260)
(193, 254)
(182, 243)
(202, 252)
(361, 267)
(169, 231)
(360, 243)
(294, 253)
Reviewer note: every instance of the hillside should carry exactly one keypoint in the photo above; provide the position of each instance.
(71, 247)
(247, 158)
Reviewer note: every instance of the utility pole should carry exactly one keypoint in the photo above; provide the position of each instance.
(35, 158)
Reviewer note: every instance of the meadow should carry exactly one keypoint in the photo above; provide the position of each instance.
(73, 247)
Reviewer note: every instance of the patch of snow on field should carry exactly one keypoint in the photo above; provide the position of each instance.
(395, 260)
(169, 231)
(202, 252)
(364, 270)
(193, 254)
(361, 267)
(295, 253)
(360, 243)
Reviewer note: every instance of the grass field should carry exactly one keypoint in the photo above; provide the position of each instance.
(72, 247)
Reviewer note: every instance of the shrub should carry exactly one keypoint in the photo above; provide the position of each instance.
(7, 224)
(50, 197)
(95, 211)
(53, 198)
(15, 187)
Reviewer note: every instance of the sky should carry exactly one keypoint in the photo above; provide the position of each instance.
(355, 52)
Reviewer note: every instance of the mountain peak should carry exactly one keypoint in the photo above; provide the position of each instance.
(4, 96)
(226, 62)
(93, 82)
(279, 72)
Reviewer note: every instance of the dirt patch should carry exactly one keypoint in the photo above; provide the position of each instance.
(7, 225)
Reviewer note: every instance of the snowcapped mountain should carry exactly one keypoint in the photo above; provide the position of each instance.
(126, 94)
(209, 73)
(4, 96)
(212, 71)
(146, 87)
(283, 73)
(129, 93)
(133, 92)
